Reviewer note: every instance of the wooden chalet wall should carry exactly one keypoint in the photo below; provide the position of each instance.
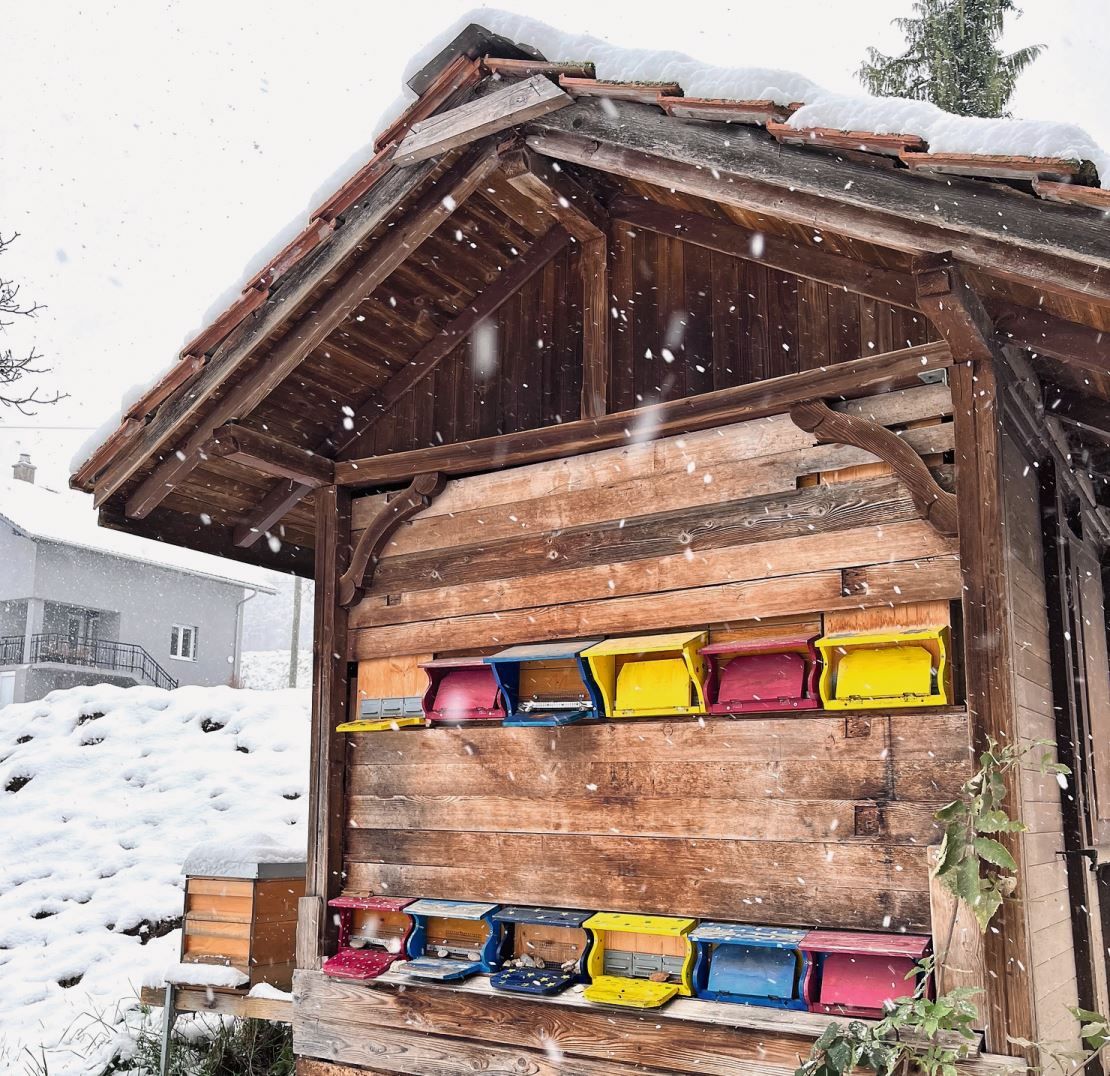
(689, 320)
(823, 818)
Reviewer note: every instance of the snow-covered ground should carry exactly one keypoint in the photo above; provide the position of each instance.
(103, 792)
(268, 670)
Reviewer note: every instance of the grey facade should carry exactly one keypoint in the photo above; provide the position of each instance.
(71, 615)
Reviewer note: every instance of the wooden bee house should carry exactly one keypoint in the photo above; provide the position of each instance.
(639, 961)
(451, 939)
(547, 683)
(751, 965)
(855, 974)
(546, 950)
(461, 690)
(650, 674)
(881, 669)
(246, 919)
(373, 935)
(761, 675)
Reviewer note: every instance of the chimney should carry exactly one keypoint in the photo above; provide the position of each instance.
(24, 470)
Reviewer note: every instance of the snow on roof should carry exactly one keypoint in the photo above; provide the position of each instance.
(68, 518)
(108, 788)
(942, 132)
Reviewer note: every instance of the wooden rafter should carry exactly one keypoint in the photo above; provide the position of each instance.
(432, 209)
(350, 436)
(936, 505)
(983, 227)
(866, 278)
(285, 300)
(268, 455)
(948, 300)
(556, 193)
(736, 404)
(1080, 346)
(423, 489)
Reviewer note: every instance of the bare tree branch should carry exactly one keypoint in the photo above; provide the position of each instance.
(14, 367)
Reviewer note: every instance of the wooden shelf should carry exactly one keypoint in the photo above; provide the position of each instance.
(312, 990)
(223, 1001)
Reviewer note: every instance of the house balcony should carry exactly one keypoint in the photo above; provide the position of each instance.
(55, 648)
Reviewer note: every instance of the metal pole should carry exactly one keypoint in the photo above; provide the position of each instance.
(168, 1015)
(295, 636)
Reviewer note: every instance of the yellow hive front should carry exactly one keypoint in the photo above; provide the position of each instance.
(627, 991)
(650, 674)
(885, 669)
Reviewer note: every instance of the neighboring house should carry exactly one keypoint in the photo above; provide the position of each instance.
(82, 605)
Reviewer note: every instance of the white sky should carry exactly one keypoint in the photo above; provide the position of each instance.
(150, 152)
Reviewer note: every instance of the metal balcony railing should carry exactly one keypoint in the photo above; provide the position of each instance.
(100, 654)
(11, 649)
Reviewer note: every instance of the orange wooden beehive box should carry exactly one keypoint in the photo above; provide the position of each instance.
(244, 917)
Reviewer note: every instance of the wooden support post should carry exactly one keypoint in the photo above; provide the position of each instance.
(330, 693)
(594, 262)
(988, 673)
(957, 943)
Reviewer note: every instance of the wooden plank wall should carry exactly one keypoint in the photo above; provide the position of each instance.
(1045, 882)
(709, 527)
(808, 819)
(686, 320)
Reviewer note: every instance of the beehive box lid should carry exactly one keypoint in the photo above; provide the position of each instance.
(668, 925)
(554, 651)
(845, 941)
(451, 909)
(554, 917)
(646, 644)
(254, 858)
(740, 934)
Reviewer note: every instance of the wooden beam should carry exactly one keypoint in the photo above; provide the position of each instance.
(504, 108)
(953, 306)
(557, 193)
(1032, 242)
(284, 301)
(865, 278)
(226, 1002)
(330, 693)
(268, 455)
(275, 506)
(1080, 346)
(421, 492)
(859, 377)
(593, 260)
(935, 504)
(988, 672)
(432, 209)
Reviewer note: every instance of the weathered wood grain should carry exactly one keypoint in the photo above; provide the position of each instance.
(931, 580)
(497, 111)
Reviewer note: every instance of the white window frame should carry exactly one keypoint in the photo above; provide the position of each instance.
(180, 633)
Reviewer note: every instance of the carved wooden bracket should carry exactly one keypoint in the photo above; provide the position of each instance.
(364, 559)
(937, 505)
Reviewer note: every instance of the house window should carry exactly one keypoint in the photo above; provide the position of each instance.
(183, 642)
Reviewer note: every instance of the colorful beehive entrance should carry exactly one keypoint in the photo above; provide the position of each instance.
(639, 961)
(877, 669)
(546, 950)
(451, 939)
(373, 934)
(755, 676)
(461, 690)
(650, 674)
(753, 965)
(547, 683)
(855, 974)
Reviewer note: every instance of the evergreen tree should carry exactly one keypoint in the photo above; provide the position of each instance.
(951, 58)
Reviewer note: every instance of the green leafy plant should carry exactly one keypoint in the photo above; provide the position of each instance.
(973, 863)
(929, 1034)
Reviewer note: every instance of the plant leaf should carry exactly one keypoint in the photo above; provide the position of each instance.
(994, 852)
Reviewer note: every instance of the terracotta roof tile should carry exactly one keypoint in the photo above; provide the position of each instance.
(725, 111)
(645, 92)
(1073, 193)
(992, 166)
(247, 303)
(892, 145)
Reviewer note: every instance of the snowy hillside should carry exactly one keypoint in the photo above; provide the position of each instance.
(103, 791)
